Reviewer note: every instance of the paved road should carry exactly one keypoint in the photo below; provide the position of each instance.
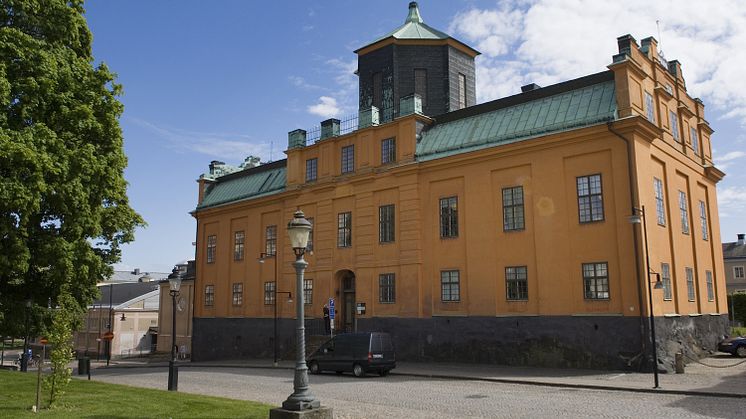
(408, 397)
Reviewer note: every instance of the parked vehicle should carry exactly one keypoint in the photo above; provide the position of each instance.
(358, 353)
(734, 346)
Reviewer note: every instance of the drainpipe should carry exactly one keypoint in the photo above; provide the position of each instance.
(634, 203)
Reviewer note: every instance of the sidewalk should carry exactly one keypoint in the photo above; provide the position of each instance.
(722, 379)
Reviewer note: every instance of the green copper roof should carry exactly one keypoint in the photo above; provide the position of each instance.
(413, 28)
(267, 179)
(570, 109)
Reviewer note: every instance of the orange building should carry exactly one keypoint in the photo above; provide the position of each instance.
(497, 232)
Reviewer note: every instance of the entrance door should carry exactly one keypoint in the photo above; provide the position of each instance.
(347, 285)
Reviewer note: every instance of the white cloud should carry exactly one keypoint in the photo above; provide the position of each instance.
(547, 41)
(733, 155)
(731, 200)
(226, 146)
(301, 83)
(326, 108)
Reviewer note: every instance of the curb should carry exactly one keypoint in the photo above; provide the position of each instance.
(469, 378)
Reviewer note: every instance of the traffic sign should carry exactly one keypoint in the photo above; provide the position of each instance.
(43, 341)
(108, 335)
(331, 308)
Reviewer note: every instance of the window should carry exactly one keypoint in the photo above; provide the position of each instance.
(269, 293)
(513, 208)
(703, 219)
(695, 140)
(212, 242)
(649, 108)
(237, 294)
(386, 224)
(308, 291)
(270, 241)
(738, 272)
(710, 288)
(659, 205)
(238, 238)
(209, 295)
(684, 213)
(461, 91)
(348, 159)
(666, 279)
(450, 289)
(388, 151)
(344, 229)
(377, 90)
(420, 84)
(596, 281)
(449, 217)
(516, 282)
(309, 245)
(675, 126)
(590, 199)
(312, 167)
(386, 288)
(690, 284)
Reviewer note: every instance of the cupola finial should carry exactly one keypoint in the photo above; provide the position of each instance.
(414, 13)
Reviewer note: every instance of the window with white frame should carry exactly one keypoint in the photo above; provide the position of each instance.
(738, 272)
(344, 229)
(690, 291)
(461, 91)
(590, 199)
(309, 245)
(703, 219)
(513, 218)
(388, 151)
(666, 279)
(269, 293)
(449, 217)
(387, 288)
(710, 286)
(516, 283)
(684, 212)
(308, 291)
(209, 295)
(660, 209)
(237, 294)
(596, 280)
(238, 242)
(270, 240)
(674, 119)
(212, 243)
(312, 169)
(348, 159)
(695, 140)
(649, 108)
(450, 286)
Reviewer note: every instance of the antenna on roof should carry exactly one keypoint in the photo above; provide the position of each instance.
(271, 149)
(660, 41)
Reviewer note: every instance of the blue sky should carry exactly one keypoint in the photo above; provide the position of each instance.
(222, 80)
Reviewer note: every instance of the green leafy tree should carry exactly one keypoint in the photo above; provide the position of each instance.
(64, 320)
(64, 211)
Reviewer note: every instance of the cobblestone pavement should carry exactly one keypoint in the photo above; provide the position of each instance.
(419, 397)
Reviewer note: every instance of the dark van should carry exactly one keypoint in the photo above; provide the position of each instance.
(355, 352)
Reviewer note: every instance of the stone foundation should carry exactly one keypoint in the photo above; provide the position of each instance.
(597, 342)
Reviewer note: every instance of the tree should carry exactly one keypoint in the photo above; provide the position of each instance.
(64, 211)
(64, 319)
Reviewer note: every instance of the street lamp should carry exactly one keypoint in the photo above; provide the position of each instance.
(174, 283)
(640, 219)
(301, 399)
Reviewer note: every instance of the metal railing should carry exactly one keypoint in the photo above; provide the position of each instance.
(350, 123)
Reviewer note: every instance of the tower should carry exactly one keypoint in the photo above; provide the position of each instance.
(416, 59)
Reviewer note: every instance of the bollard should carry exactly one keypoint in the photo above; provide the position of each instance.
(679, 362)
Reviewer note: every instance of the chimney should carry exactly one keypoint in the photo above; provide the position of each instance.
(741, 239)
(329, 128)
(410, 104)
(529, 87)
(369, 117)
(213, 165)
(649, 46)
(625, 43)
(296, 138)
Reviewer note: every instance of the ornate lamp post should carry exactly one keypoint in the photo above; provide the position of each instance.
(174, 283)
(301, 399)
(639, 218)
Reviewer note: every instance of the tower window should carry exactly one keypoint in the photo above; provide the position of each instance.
(420, 84)
(461, 91)
(377, 90)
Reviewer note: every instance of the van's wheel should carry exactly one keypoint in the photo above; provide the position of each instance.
(314, 367)
(741, 351)
(383, 373)
(358, 370)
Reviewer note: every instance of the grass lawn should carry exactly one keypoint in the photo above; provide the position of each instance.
(738, 331)
(91, 399)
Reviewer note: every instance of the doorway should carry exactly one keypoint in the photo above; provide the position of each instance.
(346, 310)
